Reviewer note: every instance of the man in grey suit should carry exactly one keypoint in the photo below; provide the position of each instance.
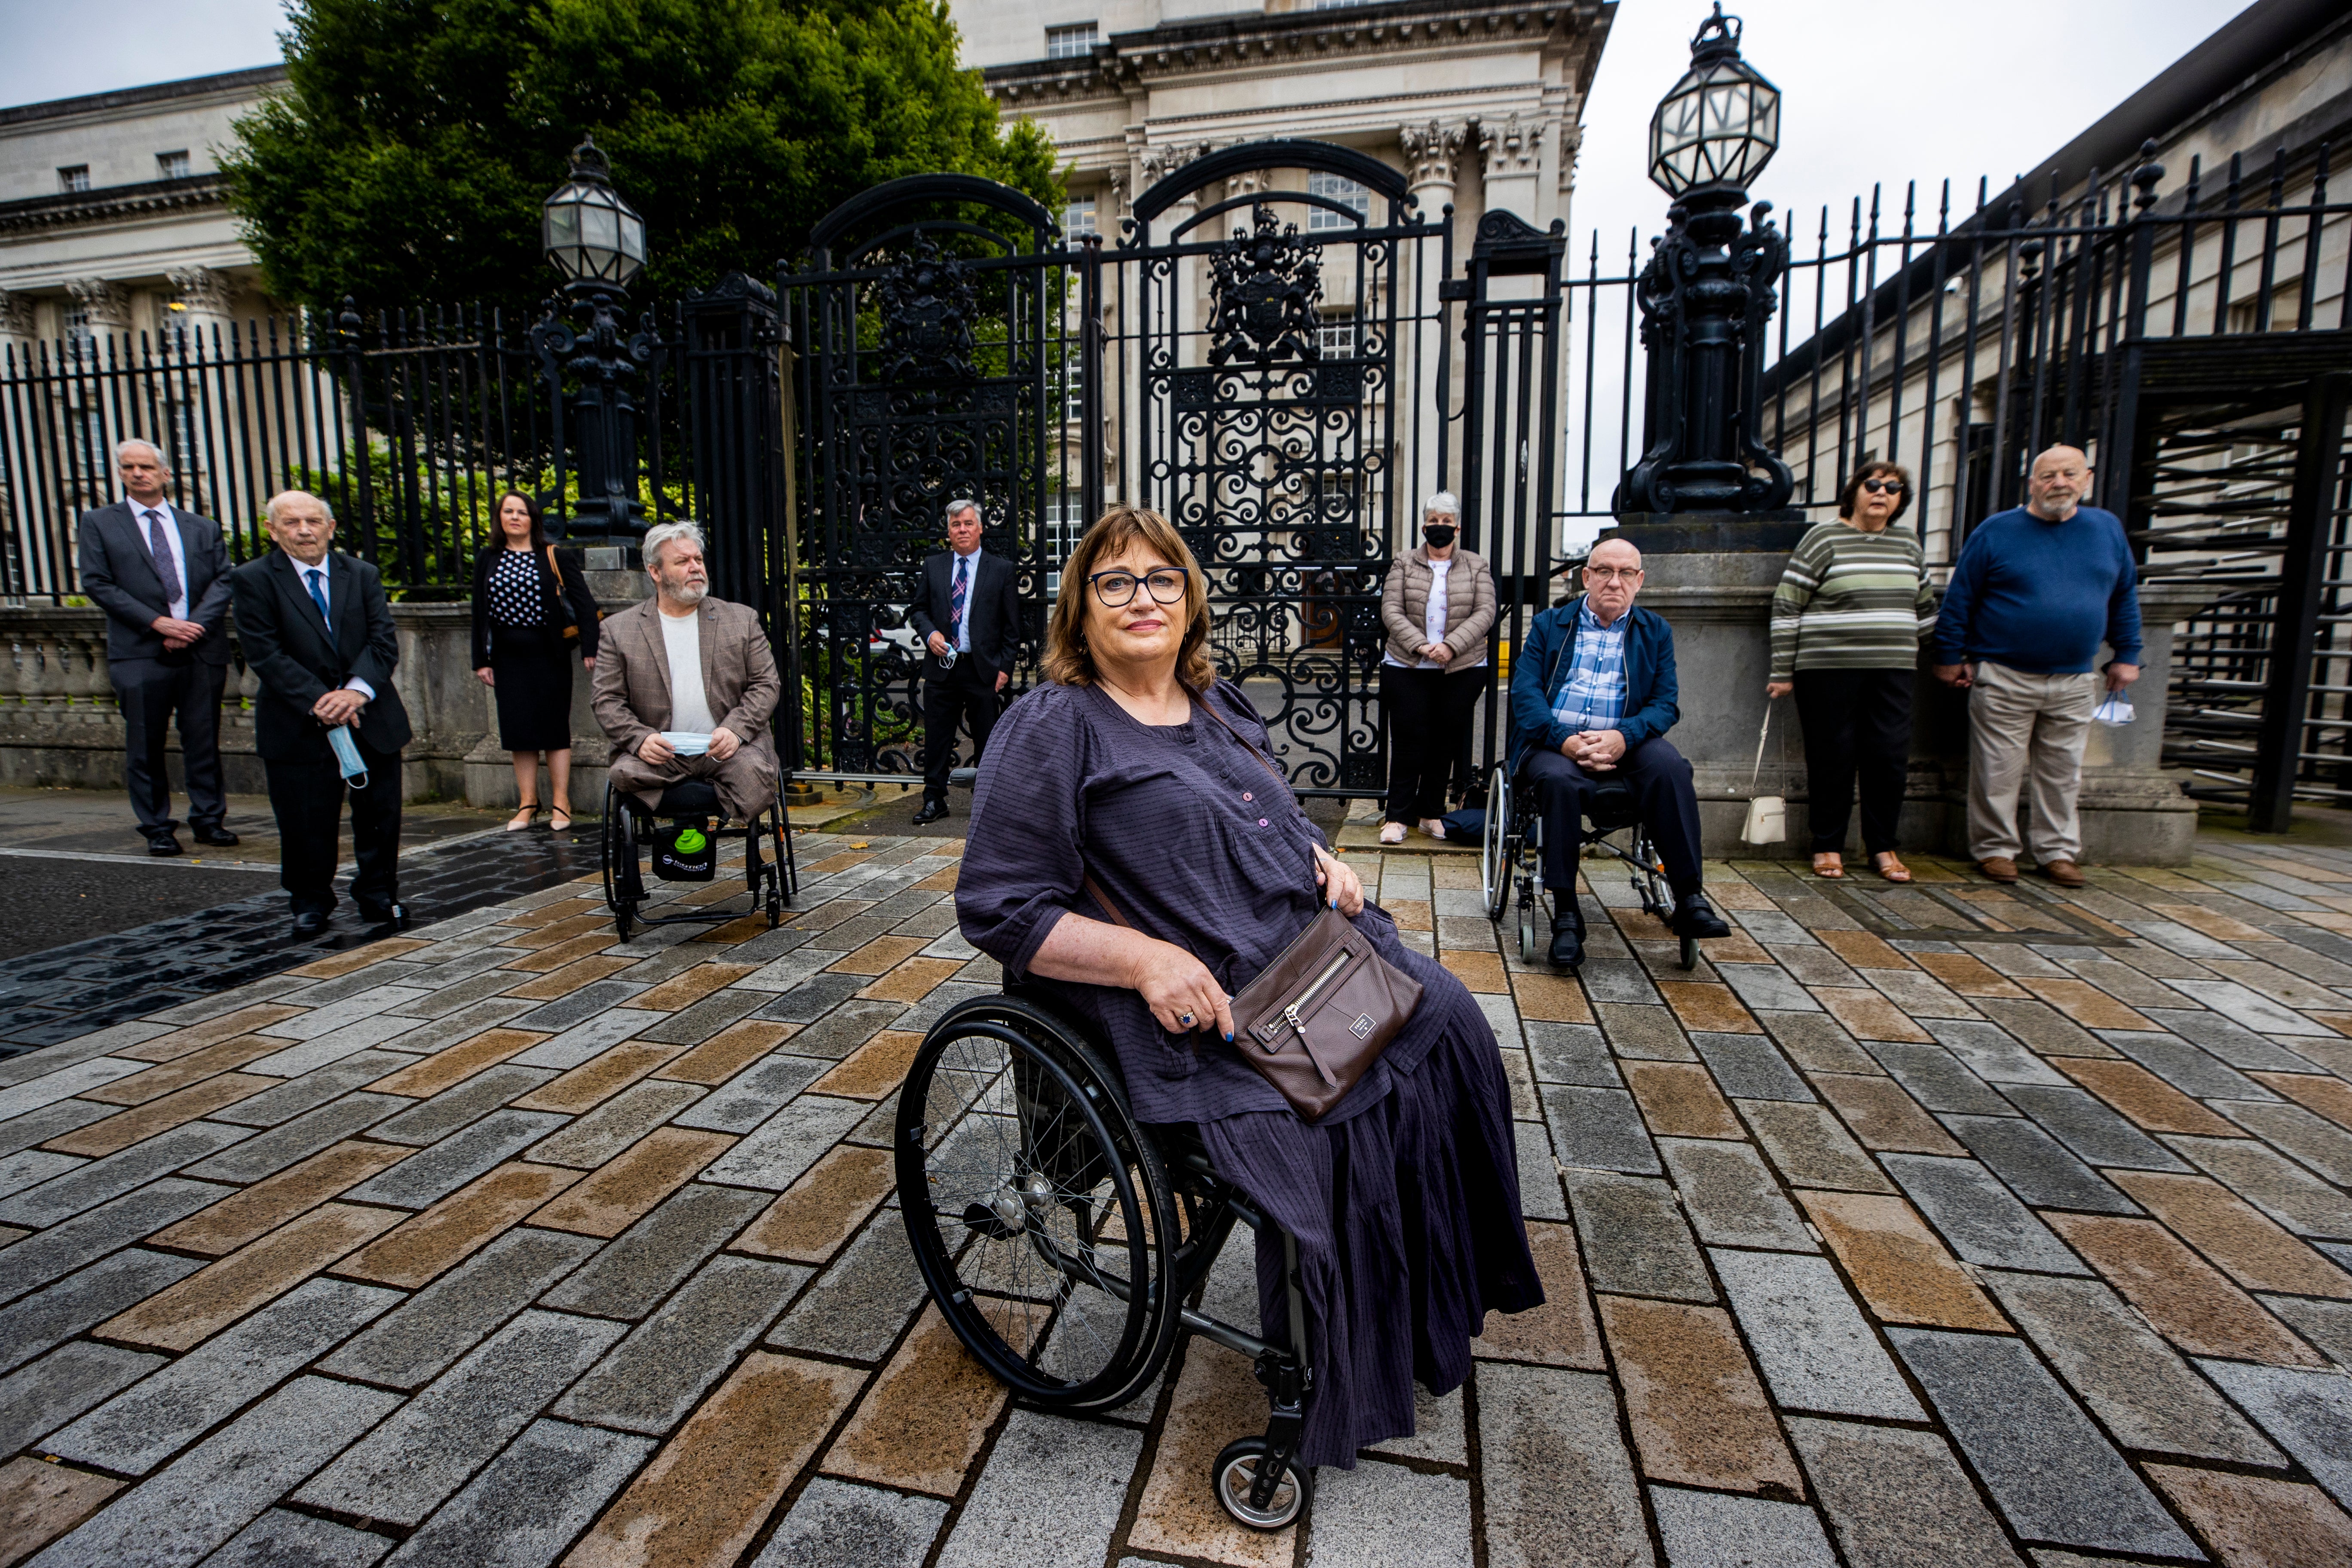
(161, 574)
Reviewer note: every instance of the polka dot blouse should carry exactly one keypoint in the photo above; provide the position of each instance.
(514, 590)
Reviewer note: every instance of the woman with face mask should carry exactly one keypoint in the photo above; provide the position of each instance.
(1436, 609)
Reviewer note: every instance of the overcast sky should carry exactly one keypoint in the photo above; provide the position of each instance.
(1872, 90)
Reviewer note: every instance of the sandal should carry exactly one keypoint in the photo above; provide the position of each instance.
(558, 821)
(522, 820)
(1890, 867)
(1829, 865)
(1391, 832)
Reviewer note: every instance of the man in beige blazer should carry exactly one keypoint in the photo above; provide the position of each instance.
(685, 663)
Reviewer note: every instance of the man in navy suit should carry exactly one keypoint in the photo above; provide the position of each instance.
(969, 615)
(161, 574)
(318, 633)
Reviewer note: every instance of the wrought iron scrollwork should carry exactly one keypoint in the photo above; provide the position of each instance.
(1265, 283)
(927, 303)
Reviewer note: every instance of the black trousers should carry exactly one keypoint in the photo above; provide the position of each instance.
(967, 696)
(1429, 713)
(152, 694)
(307, 800)
(1857, 722)
(1661, 782)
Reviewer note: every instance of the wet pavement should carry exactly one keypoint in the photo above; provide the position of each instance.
(1943, 1224)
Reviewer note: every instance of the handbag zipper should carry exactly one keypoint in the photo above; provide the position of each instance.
(1290, 1014)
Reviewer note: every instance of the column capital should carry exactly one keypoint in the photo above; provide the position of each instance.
(1432, 152)
(15, 316)
(1571, 144)
(1511, 147)
(205, 291)
(107, 304)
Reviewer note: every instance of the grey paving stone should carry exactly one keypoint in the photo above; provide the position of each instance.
(2129, 1377)
(462, 1106)
(1813, 966)
(788, 1142)
(560, 1014)
(919, 1018)
(31, 1167)
(1539, 1196)
(2183, 1065)
(2231, 1042)
(845, 1028)
(1810, 1147)
(1380, 1513)
(1816, 1349)
(652, 1380)
(274, 1107)
(1605, 980)
(326, 1020)
(1710, 1530)
(1773, 925)
(1571, 1053)
(2035, 1166)
(59, 1250)
(1816, 1042)
(1989, 1051)
(401, 1471)
(2308, 1412)
(2322, 1146)
(1050, 1496)
(1440, 1433)
(364, 1035)
(581, 1041)
(1750, 1067)
(267, 1153)
(2249, 1008)
(812, 993)
(1731, 1197)
(614, 1125)
(57, 1083)
(429, 1331)
(1633, 1237)
(26, 1066)
(1646, 1034)
(1938, 1080)
(281, 1539)
(395, 972)
(1982, 1219)
(209, 1494)
(1559, 1485)
(473, 991)
(69, 1380)
(835, 1523)
(753, 1095)
(1598, 1129)
(1898, 1499)
(645, 1262)
(531, 1502)
(86, 1186)
(1768, 987)
(462, 1024)
(2048, 1471)
(857, 1309)
(50, 1122)
(433, 1174)
(2091, 1129)
(2265, 1178)
(147, 1424)
(692, 1025)
(204, 1009)
(2328, 1324)
(2039, 1025)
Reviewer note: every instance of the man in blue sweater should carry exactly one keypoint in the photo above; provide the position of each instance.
(2034, 592)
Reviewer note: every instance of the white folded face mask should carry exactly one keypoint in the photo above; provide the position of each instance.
(2117, 710)
(686, 742)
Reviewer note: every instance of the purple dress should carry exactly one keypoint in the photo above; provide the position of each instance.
(1405, 1198)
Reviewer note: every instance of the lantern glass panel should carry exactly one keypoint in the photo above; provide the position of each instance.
(1721, 125)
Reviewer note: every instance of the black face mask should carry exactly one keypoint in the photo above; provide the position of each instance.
(1440, 534)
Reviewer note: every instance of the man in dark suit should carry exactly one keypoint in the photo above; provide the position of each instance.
(318, 633)
(161, 574)
(969, 615)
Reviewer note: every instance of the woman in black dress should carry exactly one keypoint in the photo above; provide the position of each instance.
(531, 608)
(1405, 1198)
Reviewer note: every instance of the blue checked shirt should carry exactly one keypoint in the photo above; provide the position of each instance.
(1594, 695)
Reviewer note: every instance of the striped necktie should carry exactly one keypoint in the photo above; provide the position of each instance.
(955, 601)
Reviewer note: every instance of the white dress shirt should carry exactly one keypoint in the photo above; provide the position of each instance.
(324, 575)
(178, 608)
(971, 566)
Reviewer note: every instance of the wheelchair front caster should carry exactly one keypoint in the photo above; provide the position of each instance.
(1689, 954)
(1234, 1477)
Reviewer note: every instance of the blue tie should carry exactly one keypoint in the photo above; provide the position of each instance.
(319, 594)
(955, 603)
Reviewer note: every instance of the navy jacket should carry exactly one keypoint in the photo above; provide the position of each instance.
(1539, 668)
(117, 573)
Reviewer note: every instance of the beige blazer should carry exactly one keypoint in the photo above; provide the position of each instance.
(631, 689)
(1469, 603)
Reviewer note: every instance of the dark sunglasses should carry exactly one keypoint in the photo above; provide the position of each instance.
(1877, 485)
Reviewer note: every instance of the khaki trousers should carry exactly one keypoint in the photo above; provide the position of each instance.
(2027, 731)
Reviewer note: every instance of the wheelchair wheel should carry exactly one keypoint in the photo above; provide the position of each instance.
(1234, 1477)
(1040, 1215)
(1495, 848)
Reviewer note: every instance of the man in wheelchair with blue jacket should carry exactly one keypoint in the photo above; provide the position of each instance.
(1593, 696)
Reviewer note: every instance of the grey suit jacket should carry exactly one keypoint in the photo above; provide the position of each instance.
(631, 689)
(117, 573)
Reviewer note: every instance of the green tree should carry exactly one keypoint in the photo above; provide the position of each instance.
(408, 159)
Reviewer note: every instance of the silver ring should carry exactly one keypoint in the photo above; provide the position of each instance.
(1185, 1018)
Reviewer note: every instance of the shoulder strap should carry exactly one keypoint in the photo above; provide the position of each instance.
(552, 566)
(1094, 890)
(1211, 708)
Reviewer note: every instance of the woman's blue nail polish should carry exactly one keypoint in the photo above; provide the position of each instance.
(1228, 1037)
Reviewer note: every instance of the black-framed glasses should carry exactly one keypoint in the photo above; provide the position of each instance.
(1116, 588)
(1877, 487)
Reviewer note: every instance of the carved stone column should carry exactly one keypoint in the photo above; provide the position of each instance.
(104, 303)
(206, 295)
(1432, 154)
(1512, 149)
(17, 330)
(1432, 160)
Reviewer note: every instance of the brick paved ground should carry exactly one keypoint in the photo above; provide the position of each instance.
(1946, 1225)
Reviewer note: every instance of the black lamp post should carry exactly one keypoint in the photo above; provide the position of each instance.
(1707, 291)
(598, 242)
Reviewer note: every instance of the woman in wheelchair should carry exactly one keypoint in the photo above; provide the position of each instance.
(1108, 796)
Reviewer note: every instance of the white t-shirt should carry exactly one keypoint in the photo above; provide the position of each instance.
(689, 705)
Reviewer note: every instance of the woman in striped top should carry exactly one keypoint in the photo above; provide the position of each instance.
(1847, 621)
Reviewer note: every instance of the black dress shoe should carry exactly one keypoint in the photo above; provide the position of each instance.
(395, 915)
(163, 843)
(220, 837)
(932, 811)
(1694, 917)
(309, 923)
(1566, 943)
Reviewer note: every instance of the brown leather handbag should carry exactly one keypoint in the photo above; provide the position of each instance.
(1317, 1017)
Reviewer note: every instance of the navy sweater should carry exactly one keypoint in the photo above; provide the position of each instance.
(2039, 596)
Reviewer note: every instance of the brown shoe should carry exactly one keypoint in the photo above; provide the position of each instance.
(1890, 866)
(1999, 870)
(2065, 873)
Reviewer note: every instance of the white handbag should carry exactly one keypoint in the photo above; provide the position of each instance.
(1767, 815)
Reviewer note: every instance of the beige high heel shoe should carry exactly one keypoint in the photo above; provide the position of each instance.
(522, 820)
